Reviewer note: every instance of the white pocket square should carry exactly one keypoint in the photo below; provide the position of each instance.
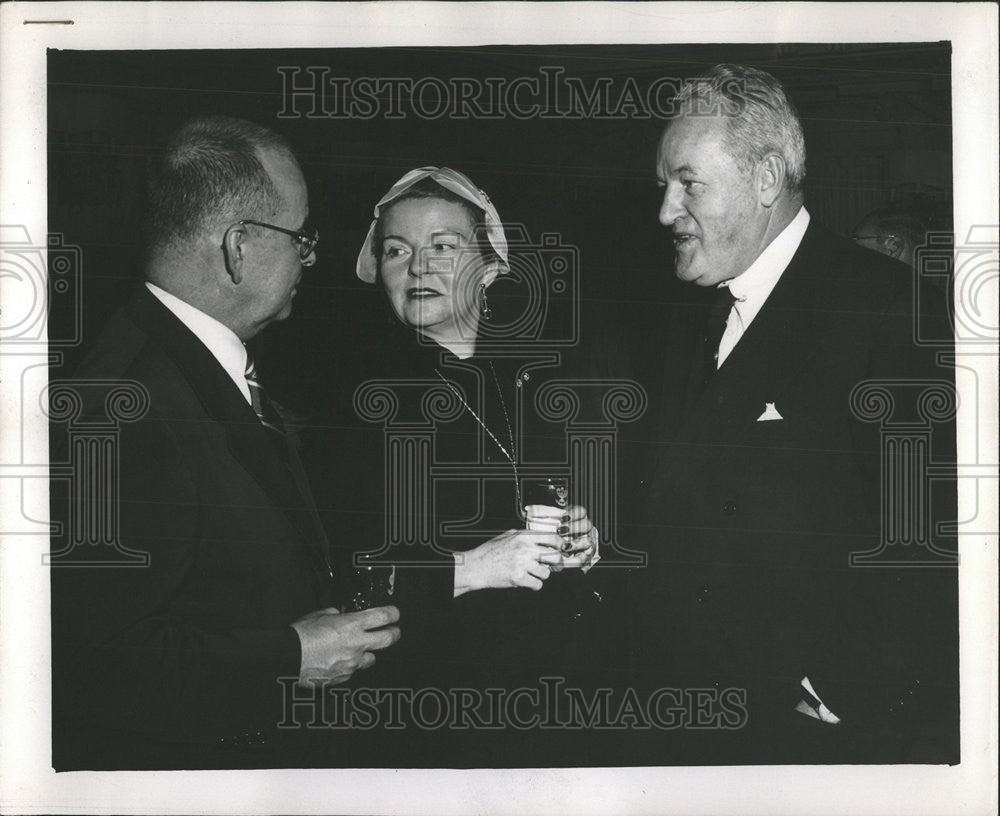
(816, 708)
(770, 413)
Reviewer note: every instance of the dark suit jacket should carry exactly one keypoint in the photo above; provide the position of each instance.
(749, 525)
(176, 665)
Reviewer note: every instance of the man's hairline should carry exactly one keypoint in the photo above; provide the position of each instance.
(793, 188)
(747, 173)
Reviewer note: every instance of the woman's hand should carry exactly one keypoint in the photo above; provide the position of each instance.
(517, 558)
(580, 537)
(582, 553)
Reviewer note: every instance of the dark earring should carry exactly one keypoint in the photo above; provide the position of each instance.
(484, 306)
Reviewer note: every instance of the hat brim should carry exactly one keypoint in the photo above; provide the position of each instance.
(451, 180)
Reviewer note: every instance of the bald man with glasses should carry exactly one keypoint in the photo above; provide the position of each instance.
(189, 661)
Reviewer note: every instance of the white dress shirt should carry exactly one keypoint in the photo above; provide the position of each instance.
(755, 285)
(225, 346)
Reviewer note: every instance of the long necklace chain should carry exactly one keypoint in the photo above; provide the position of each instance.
(512, 455)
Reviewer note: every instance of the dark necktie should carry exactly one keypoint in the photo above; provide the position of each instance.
(715, 327)
(271, 419)
(262, 405)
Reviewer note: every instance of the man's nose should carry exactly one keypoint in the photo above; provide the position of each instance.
(671, 209)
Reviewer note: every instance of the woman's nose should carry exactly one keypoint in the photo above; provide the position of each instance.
(418, 264)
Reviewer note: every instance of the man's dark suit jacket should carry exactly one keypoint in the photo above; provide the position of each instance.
(749, 525)
(176, 665)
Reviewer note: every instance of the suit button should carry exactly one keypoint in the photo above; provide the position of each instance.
(729, 508)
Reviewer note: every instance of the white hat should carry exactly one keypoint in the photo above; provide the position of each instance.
(451, 180)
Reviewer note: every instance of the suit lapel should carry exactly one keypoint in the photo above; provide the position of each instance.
(772, 351)
(255, 447)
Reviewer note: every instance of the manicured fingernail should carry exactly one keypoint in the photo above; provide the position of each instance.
(563, 530)
(565, 518)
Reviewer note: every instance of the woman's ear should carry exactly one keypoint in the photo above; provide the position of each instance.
(495, 268)
(232, 250)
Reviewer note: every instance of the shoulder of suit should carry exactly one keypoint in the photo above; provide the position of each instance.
(854, 274)
(124, 351)
(115, 351)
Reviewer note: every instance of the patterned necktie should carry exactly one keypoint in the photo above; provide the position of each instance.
(262, 406)
(715, 327)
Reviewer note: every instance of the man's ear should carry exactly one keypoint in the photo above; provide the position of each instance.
(233, 250)
(894, 245)
(770, 178)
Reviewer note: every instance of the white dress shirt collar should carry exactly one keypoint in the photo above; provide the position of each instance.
(220, 340)
(755, 285)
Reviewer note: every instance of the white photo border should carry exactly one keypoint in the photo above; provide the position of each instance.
(27, 782)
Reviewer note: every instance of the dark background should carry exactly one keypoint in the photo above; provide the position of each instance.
(877, 122)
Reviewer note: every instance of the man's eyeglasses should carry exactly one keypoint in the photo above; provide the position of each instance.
(305, 239)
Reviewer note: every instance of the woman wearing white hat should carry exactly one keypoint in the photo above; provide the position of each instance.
(436, 243)
(435, 246)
